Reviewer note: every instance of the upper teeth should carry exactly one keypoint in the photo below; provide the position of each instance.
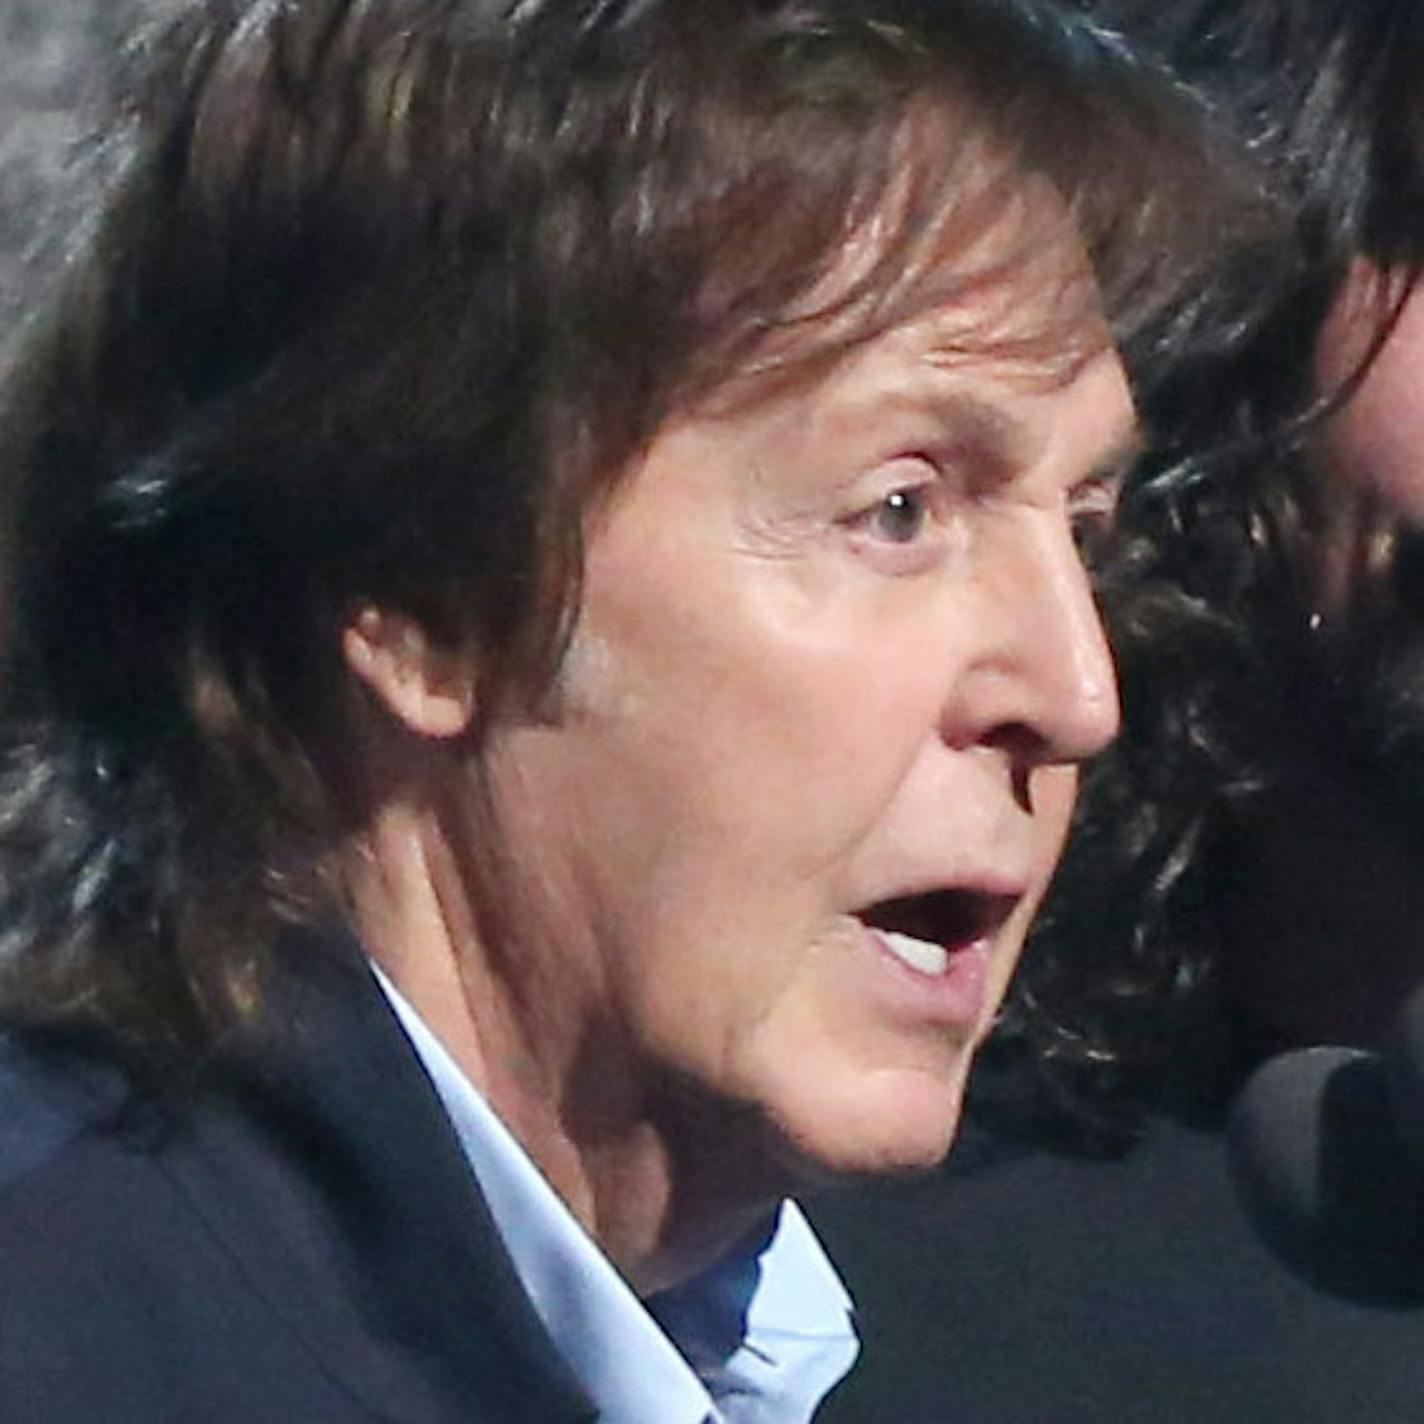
(917, 953)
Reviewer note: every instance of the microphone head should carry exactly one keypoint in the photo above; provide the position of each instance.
(1325, 1178)
(1404, 1057)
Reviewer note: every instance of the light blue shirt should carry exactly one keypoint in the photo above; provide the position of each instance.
(760, 1338)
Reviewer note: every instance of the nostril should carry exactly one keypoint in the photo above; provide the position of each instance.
(1024, 748)
(1019, 786)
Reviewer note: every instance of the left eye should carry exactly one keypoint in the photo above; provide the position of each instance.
(1093, 510)
(1094, 501)
(900, 517)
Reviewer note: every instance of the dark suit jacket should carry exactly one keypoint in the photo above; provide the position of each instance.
(300, 1242)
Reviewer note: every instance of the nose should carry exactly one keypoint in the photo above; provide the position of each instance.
(1044, 686)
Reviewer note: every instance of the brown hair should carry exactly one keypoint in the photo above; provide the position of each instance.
(386, 294)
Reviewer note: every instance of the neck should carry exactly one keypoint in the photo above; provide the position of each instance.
(565, 1087)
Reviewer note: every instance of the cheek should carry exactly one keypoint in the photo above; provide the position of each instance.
(1054, 793)
(757, 699)
(1376, 441)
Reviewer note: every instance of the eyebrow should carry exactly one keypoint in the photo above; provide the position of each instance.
(966, 419)
(993, 434)
(1002, 442)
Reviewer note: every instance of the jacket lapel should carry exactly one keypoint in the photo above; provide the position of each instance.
(329, 1169)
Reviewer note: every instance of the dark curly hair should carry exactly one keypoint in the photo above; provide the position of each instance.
(1232, 677)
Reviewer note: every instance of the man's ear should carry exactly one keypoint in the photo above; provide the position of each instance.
(430, 689)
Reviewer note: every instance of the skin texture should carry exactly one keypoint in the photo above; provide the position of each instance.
(1367, 451)
(1374, 440)
(834, 648)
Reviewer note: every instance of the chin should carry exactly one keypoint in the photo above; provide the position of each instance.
(890, 1123)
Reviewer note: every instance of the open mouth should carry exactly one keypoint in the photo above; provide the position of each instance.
(924, 931)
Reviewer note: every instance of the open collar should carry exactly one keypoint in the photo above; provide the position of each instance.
(759, 1338)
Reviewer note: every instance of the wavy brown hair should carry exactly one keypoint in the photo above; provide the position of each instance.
(384, 297)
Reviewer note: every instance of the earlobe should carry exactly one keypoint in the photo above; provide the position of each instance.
(428, 688)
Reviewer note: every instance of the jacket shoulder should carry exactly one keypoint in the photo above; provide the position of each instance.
(110, 1287)
(48, 1101)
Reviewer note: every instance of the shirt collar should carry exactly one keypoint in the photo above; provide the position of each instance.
(762, 1336)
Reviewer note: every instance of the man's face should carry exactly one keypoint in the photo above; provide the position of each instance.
(836, 662)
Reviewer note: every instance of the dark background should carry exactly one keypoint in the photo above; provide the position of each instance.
(55, 56)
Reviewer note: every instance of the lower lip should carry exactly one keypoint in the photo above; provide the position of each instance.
(955, 999)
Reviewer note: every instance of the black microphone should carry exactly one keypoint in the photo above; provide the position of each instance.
(1404, 1061)
(1322, 1144)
